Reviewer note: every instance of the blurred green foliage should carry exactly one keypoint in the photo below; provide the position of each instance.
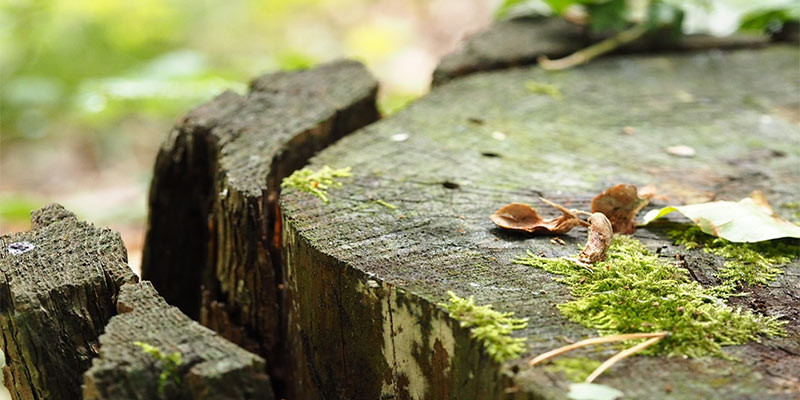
(719, 17)
(87, 64)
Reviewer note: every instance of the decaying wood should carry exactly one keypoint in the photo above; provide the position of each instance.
(211, 368)
(58, 285)
(66, 282)
(210, 247)
(364, 280)
(522, 41)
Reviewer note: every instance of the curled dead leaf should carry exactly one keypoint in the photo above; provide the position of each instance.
(522, 217)
(620, 204)
(600, 234)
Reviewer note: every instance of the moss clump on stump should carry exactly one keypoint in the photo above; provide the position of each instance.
(490, 327)
(635, 291)
(316, 183)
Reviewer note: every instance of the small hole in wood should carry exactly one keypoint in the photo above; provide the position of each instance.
(490, 154)
(450, 185)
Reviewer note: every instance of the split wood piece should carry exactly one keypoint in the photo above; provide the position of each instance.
(58, 283)
(522, 41)
(211, 367)
(212, 221)
(363, 280)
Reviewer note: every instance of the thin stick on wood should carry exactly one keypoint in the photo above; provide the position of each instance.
(597, 340)
(622, 355)
(584, 55)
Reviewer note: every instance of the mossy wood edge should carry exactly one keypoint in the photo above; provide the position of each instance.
(363, 281)
(70, 303)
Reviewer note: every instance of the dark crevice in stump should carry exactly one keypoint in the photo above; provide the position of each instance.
(211, 246)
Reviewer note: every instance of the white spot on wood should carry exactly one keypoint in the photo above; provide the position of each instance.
(498, 135)
(18, 248)
(681, 151)
(400, 137)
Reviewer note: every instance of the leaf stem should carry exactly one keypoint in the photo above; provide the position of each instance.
(584, 55)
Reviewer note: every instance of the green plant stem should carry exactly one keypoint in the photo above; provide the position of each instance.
(584, 55)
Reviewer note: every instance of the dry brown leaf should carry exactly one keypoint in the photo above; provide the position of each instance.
(620, 204)
(522, 217)
(600, 234)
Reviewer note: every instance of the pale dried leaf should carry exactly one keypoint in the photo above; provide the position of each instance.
(748, 220)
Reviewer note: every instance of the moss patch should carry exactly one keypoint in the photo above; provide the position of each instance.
(746, 263)
(316, 183)
(490, 327)
(635, 291)
(169, 364)
(576, 369)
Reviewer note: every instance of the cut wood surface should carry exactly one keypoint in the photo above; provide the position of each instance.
(210, 246)
(211, 367)
(364, 279)
(58, 285)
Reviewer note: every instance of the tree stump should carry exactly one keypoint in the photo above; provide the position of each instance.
(68, 301)
(359, 280)
(364, 279)
(210, 245)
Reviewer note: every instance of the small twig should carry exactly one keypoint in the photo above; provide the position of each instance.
(622, 355)
(584, 55)
(597, 340)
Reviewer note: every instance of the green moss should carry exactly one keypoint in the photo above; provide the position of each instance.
(169, 364)
(316, 183)
(747, 263)
(544, 88)
(635, 291)
(575, 369)
(490, 327)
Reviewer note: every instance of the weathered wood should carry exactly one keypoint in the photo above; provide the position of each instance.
(364, 279)
(58, 285)
(210, 247)
(62, 285)
(521, 41)
(211, 368)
